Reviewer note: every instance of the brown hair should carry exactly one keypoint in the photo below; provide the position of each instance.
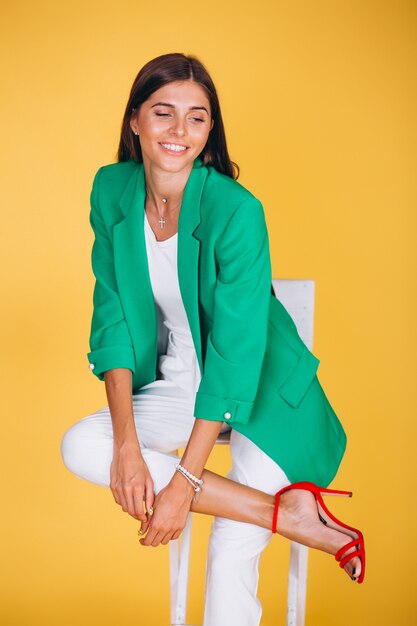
(166, 69)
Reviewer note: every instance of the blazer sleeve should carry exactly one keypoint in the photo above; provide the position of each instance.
(110, 342)
(236, 343)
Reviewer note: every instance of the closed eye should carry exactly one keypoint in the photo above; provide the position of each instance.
(197, 119)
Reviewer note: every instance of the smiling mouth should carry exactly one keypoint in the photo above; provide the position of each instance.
(174, 147)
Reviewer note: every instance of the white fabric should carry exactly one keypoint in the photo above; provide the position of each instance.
(177, 359)
(163, 416)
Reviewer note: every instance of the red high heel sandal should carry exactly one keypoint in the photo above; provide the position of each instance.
(330, 520)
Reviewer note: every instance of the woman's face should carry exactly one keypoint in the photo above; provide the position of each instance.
(173, 125)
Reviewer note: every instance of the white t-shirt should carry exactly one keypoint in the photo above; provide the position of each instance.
(162, 261)
(177, 359)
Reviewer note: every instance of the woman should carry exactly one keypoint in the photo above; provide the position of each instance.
(189, 340)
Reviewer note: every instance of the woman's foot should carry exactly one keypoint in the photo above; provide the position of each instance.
(298, 520)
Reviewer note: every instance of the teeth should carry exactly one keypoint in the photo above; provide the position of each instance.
(173, 146)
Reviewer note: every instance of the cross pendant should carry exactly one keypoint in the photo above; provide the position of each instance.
(161, 222)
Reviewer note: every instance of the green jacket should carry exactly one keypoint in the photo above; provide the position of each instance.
(257, 373)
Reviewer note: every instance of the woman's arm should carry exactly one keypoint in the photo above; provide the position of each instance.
(130, 479)
(118, 384)
(110, 341)
(198, 449)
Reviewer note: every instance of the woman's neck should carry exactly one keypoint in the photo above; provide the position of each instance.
(162, 184)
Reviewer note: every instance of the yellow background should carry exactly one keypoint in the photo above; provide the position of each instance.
(319, 103)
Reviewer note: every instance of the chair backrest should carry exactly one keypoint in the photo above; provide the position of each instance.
(297, 296)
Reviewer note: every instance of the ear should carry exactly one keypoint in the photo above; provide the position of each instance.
(134, 122)
(211, 125)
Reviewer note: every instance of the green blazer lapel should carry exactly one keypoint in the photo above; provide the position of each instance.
(189, 250)
(132, 270)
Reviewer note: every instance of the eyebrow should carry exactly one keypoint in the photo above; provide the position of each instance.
(167, 104)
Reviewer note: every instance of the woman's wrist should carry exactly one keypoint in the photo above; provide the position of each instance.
(181, 484)
(127, 445)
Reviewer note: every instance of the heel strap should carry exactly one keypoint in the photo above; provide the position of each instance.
(299, 485)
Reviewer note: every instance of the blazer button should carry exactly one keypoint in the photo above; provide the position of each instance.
(92, 366)
(227, 415)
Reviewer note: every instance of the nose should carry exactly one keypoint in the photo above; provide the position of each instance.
(177, 128)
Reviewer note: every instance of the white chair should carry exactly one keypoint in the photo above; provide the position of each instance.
(298, 298)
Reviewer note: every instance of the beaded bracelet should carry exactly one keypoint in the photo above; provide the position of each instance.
(197, 488)
(187, 473)
(193, 480)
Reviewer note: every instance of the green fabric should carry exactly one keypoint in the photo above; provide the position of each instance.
(257, 373)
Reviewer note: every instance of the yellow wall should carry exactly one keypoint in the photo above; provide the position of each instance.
(319, 101)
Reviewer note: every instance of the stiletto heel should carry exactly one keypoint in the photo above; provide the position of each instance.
(327, 518)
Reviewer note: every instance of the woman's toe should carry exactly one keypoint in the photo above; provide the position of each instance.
(353, 567)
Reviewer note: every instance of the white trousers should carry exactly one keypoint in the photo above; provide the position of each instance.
(163, 415)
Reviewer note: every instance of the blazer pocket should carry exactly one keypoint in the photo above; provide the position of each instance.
(295, 385)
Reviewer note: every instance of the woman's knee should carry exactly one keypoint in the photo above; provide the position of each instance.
(71, 447)
(86, 452)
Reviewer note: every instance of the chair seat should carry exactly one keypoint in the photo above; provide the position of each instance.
(224, 437)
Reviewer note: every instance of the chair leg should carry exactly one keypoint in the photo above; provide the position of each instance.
(297, 585)
(179, 557)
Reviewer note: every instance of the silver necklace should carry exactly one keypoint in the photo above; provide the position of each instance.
(161, 219)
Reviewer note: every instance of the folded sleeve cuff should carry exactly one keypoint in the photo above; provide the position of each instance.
(222, 409)
(111, 357)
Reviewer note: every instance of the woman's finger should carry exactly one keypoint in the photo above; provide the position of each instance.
(115, 495)
(146, 541)
(122, 500)
(167, 538)
(138, 496)
(130, 505)
(157, 539)
(145, 525)
(133, 509)
(142, 530)
(153, 537)
(149, 494)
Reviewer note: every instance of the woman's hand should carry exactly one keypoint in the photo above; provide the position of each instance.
(171, 505)
(130, 480)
